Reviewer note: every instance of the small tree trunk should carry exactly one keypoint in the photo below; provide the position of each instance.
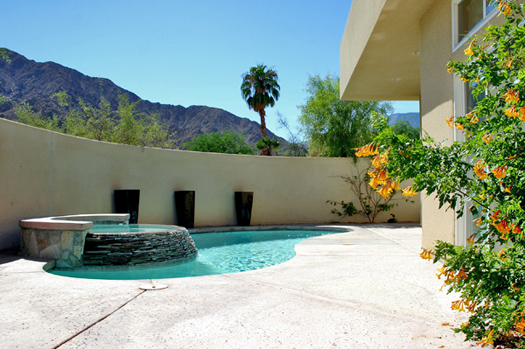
(262, 114)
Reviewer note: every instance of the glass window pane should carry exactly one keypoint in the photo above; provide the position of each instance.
(490, 6)
(470, 226)
(470, 13)
(470, 100)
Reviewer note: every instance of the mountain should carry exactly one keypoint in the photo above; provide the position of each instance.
(412, 118)
(22, 79)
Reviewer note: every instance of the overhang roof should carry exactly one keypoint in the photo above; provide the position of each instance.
(380, 50)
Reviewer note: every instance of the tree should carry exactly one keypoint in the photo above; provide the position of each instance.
(335, 127)
(403, 126)
(89, 122)
(4, 55)
(268, 146)
(123, 125)
(27, 116)
(260, 89)
(296, 147)
(139, 129)
(229, 142)
(485, 174)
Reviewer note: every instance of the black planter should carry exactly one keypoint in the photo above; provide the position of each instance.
(127, 201)
(185, 208)
(243, 207)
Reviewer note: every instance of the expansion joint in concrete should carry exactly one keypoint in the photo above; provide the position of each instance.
(397, 242)
(99, 320)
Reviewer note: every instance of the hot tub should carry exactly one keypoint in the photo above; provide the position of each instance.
(103, 240)
(136, 245)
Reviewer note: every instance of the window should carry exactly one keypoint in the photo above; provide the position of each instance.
(464, 102)
(470, 13)
(470, 100)
(469, 16)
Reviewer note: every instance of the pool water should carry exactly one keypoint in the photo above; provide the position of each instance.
(219, 253)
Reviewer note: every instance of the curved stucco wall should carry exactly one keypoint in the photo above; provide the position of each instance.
(45, 173)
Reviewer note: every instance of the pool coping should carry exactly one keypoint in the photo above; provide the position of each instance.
(72, 222)
(62, 238)
(234, 228)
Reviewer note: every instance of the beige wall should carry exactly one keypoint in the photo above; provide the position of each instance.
(437, 104)
(379, 50)
(46, 174)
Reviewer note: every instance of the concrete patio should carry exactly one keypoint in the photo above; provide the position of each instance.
(367, 288)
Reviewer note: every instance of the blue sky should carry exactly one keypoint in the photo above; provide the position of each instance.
(186, 52)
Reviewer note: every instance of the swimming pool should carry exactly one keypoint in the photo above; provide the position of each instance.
(219, 253)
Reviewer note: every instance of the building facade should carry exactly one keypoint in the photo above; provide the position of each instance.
(398, 50)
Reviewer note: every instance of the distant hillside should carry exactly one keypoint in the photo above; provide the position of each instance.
(27, 80)
(412, 118)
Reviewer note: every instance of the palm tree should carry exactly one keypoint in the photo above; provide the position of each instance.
(260, 89)
(267, 146)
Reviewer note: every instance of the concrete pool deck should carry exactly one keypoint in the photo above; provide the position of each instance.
(366, 288)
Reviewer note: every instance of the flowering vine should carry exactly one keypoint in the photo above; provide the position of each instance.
(484, 175)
